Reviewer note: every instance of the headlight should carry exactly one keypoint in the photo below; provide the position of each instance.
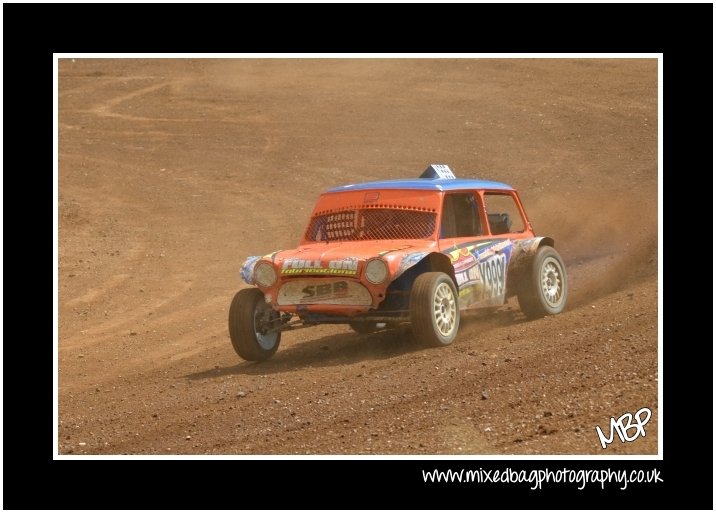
(264, 274)
(376, 271)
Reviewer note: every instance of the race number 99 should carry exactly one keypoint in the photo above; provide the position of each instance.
(492, 272)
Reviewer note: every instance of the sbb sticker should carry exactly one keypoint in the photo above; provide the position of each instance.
(317, 291)
(326, 290)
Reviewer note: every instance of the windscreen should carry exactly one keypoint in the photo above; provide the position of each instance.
(372, 224)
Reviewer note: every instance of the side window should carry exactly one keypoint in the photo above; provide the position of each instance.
(461, 216)
(503, 214)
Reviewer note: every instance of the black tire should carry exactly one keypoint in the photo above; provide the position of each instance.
(247, 312)
(544, 290)
(434, 309)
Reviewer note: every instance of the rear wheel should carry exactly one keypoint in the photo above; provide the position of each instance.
(544, 291)
(249, 320)
(434, 309)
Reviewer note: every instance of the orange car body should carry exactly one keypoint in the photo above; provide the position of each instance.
(407, 226)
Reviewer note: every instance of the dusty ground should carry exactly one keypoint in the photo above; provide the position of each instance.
(173, 171)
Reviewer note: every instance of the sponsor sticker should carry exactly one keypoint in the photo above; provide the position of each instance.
(342, 267)
(323, 291)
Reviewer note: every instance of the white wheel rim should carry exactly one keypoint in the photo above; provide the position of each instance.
(262, 314)
(444, 309)
(552, 282)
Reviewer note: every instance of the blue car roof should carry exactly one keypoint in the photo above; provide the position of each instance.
(449, 184)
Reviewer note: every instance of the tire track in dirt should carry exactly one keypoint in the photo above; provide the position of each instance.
(106, 108)
(93, 293)
(99, 81)
(149, 316)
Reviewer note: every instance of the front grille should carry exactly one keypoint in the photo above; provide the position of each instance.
(372, 224)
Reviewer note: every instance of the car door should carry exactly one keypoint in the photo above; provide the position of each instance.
(463, 231)
(476, 233)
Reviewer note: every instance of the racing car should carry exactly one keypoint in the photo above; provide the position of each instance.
(381, 254)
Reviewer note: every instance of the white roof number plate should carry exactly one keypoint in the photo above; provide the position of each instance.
(443, 171)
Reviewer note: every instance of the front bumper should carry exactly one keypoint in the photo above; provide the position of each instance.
(325, 295)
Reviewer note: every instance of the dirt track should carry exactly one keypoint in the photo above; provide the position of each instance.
(173, 171)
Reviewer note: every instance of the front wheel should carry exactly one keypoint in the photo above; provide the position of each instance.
(249, 320)
(544, 291)
(434, 309)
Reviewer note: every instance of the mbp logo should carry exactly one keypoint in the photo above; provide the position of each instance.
(623, 424)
